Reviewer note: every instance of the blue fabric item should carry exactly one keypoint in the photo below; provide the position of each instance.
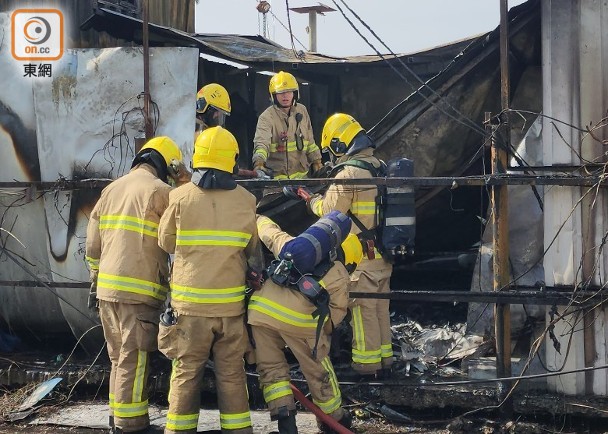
(314, 244)
(8, 343)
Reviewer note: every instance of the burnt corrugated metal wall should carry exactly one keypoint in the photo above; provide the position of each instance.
(178, 14)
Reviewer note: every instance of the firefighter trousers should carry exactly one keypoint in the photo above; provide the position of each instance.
(274, 371)
(370, 321)
(190, 343)
(131, 333)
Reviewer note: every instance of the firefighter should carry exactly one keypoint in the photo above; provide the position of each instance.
(346, 141)
(212, 107)
(284, 145)
(210, 228)
(129, 274)
(281, 313)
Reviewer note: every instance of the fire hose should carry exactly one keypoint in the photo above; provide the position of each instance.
(327, 419)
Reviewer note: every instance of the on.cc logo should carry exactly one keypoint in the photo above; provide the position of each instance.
(37, 30)
(37, 34)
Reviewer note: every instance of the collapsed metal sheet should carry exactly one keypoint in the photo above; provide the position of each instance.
(525, 246)
(440, 127)
(20, 213)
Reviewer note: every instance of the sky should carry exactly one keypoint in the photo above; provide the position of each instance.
(405, 26)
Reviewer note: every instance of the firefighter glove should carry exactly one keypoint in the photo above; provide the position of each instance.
(179, 173)
(92, 298)
(321, 170)
(263, 172)
(254, 279)
(296, 192)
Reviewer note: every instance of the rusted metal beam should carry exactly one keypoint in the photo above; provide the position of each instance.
(546, 297)
(423, 181)
(42, 284)
(538, 298)
(60, 185)
(500, 224)
(448, 181)
(587, 167)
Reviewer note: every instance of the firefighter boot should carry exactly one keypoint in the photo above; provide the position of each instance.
(346, 421)
(287, 425)
(149, 430)
(286, 421)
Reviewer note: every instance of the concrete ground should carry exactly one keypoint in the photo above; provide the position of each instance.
(92, 418)
(95, 415)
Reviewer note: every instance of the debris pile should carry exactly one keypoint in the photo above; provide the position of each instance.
(435, 347)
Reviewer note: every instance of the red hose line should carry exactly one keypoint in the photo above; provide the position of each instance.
(333, 423)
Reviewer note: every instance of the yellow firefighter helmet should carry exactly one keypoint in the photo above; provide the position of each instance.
(215, 148)
(165, 147)
(339, 131)
(283, 82)
(214, 95)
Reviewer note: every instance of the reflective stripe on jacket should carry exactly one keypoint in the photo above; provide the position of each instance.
(282, 156)
(122, 239)
(212, 233)
(286, 309)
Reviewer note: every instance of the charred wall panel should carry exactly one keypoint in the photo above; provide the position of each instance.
(80, 123)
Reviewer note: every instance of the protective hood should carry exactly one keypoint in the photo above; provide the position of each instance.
(213, 179)
(359, 143)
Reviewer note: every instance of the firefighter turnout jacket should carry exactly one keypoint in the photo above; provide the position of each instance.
(212, 233)
(122, 240)
(289, 310)
(282, 316)
(131, 272)
(276, 143)
(372, 339)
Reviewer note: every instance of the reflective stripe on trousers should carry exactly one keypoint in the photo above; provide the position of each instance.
(334, 403)
(138, 406)
(235, 420)
(194, 339)
(386, 350)
(276, 390)
(182, 422)
(360, 354)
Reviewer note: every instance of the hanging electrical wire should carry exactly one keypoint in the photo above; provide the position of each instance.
(46, 286)
(284, 27)
(464, 121)
(299, 55)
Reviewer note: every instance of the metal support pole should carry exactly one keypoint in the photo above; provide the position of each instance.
(312, 31)
(148, 123)
(500, 223)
